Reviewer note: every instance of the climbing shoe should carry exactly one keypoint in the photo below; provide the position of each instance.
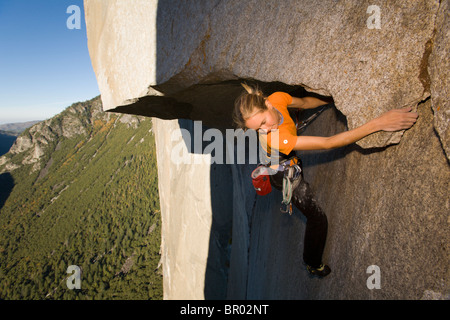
(322, 271)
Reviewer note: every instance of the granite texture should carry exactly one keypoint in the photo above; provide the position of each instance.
(386, 197)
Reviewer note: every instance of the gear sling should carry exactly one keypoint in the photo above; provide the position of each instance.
(291, 178)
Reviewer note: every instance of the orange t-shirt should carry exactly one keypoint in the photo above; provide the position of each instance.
(285, 137)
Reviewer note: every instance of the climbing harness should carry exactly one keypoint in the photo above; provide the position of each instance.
(291, 178)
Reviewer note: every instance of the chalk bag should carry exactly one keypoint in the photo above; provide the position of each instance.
(261, 181)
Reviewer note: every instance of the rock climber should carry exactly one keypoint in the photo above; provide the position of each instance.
(269, 115)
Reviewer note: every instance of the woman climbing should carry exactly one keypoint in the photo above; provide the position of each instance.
(270, 116)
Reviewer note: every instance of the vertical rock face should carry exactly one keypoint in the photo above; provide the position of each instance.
(387, 205)
(439, 65)
(196, 202)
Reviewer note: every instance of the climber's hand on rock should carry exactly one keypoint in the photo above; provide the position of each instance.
(397, 119)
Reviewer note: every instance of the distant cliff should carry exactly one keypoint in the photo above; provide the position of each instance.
(6, 141)
(9, 132)
(386, 197)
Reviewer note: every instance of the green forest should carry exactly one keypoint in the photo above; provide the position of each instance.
(92, 203)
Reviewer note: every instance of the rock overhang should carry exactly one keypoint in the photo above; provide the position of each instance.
(173, 59)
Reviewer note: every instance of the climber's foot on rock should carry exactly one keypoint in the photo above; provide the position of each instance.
(322, 271)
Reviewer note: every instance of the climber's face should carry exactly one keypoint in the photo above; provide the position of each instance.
(264, 120)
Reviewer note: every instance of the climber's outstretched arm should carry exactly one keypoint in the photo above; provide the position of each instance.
(394, 120)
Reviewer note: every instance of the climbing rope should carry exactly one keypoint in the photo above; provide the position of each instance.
(302, 124)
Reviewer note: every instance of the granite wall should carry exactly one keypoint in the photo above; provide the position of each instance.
(386, 196)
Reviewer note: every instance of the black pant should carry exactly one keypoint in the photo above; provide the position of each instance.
(317, 223)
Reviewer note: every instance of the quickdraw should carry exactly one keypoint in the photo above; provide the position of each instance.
(291, 179)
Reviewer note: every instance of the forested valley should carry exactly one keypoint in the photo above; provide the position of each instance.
(81, 189)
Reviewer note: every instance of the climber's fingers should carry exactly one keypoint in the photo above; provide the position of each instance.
(397, 119)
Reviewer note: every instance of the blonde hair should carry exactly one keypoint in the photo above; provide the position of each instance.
(248, 104)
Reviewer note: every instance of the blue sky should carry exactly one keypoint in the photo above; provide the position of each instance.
(44, 65)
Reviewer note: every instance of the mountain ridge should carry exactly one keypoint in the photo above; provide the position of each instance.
(17, 128)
